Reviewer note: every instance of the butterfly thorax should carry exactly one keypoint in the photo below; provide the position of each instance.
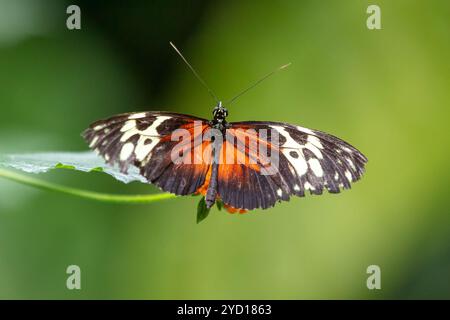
(219, 115)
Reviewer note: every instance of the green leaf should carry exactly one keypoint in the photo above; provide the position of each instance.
(219, 204)
(202, 210)
(81, 161)
(59, 165)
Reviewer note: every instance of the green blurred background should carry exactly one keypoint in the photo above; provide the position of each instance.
(385, 91)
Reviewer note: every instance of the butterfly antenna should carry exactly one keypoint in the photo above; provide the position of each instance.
(256, 83)
(195, 73)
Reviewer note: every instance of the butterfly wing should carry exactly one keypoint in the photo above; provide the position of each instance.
(146, 140)
(306, 159)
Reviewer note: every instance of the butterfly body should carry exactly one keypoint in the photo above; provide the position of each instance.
(247, 165)
(218, 122)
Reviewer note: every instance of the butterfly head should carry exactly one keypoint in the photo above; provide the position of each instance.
(220, 113)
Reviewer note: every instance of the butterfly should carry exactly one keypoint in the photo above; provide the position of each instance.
(242, 165)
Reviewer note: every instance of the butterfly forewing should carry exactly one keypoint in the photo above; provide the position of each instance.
(145, 140)
(302, 159)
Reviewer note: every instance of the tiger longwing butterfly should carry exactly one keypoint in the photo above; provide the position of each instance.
(244, 165)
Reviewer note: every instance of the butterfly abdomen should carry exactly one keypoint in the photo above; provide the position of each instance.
(211, 192)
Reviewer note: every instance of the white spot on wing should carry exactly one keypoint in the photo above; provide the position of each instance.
(314, 150)
(290, 143)
(279, 192)
(347, 149)
(131, 132)
(93, 142)
(299, 164)
(348, 175)
(316, 167)
(130, 124)
(308, 186)
(99, 127)
(126, 151)
(130, 128)
(137, 115)
(306, 130)
(350, 162)
(142, 149)
(315, 141)
(296, 187)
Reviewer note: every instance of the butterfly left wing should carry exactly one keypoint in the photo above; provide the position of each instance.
(306, 159)
(145, 139)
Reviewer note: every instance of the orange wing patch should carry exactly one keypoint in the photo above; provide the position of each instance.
(204, 187)
(232, 210)
(238, 156)
(248, 148)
